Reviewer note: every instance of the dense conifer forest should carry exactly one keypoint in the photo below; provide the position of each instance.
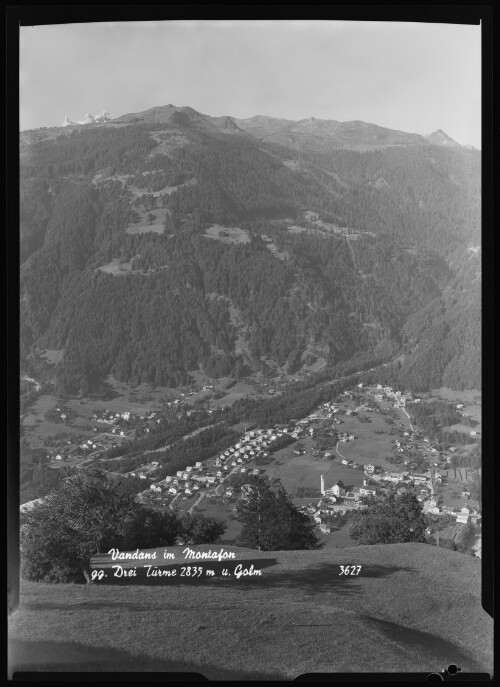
(391, 262)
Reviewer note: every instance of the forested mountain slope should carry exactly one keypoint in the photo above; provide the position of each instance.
(151, 243)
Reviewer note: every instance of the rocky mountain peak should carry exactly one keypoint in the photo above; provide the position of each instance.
(441, 138)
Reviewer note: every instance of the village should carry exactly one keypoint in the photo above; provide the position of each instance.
(349, 448)
(74, 434)
(109, 429)
(418, 467)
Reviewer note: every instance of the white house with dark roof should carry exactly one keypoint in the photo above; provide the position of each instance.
(338, 489)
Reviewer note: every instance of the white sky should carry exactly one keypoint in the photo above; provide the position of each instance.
(408, 76)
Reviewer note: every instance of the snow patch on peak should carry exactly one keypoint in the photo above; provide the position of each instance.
(104, 116)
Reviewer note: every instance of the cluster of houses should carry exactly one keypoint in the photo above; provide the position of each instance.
(110, 418)
(413, 441)
(462, 515)
(338, 499)
(433, 503)
(342, 498)
(79, 444)
(394, 477)
(189, 481)
(350, 496)
(193, 478)
(145, 471)
(148, 420)
(424, 485)
(320, 513)
(251, 445)
(398, 399)
(326, 411)
(88, 445)
(301, 427)
(107, 417)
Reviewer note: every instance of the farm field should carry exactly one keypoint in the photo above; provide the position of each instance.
(200, 378)
(38, 434)
(368, 446)
(459, 427)
(373, 442)
(467, 396)
(306, 470)
(319, 364)
(140, 399)
(237, 391)
(184, 504)
(38, 409)
(38, 429)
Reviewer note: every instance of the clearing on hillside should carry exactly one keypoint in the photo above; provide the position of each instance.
(53, 355)
(167, 140)
(143, 225)
(227, 234)
(116, 267)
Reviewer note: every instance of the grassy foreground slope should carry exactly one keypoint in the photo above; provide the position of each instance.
(412, 608)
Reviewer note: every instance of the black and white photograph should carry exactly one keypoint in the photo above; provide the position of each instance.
(250, 350)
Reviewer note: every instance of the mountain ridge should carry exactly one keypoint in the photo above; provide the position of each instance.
(357, 233)
(351, 133)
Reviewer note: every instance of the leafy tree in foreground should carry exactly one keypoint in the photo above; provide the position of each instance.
(390, 519)
(82, 516)
(87, 514)
(271, 522)
(476, 488)
(466, 539)
(198, 529)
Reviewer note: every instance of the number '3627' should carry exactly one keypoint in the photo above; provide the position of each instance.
(350, 569)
